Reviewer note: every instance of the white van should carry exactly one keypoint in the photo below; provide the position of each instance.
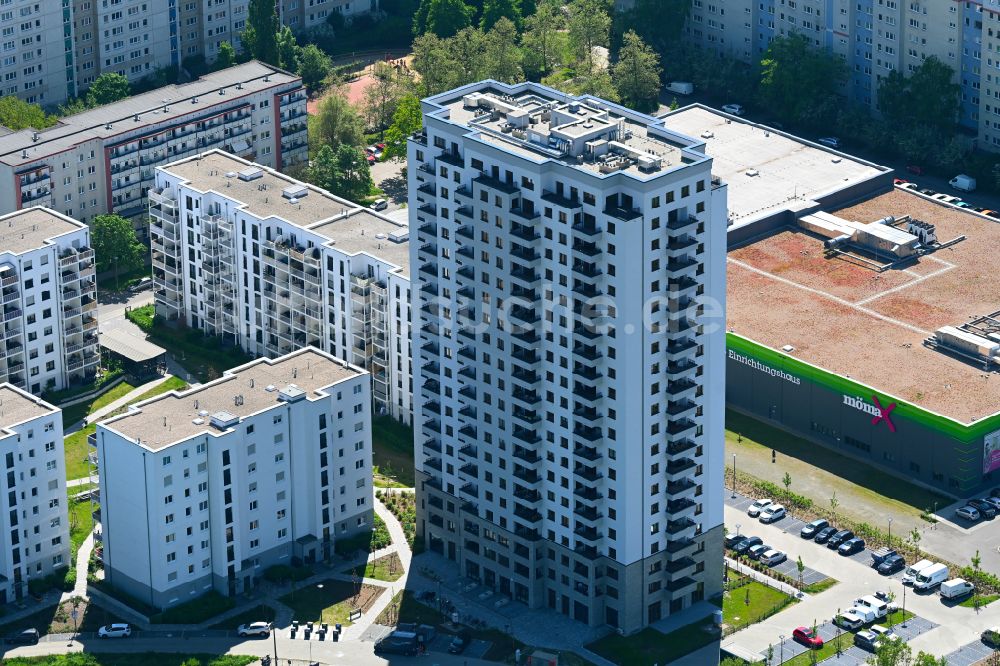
(865, 613)
(931, 577)
(956, 589)
(963, 183)
(680, 87)
(877, 606)
(914, 570)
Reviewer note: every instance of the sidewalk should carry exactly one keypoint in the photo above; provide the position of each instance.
(124, 400)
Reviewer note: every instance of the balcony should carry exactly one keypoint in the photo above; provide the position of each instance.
(678, 246)
(495, 184)
(686, 225)
(587, 533)
(676, 267)
(433, 463)
(529, 398)
(526, 474)
(468, 391)
(677, 508)
(680, 427)
(527, 495)
(681, 446)
(587, 270)
(524, 274)
(468, 431)
(527, 533)
(586, 393)
(681, 567)
(587, 229)
(587, 289)
(684, 488)
(529, 377)
(587, 551)
(587, 433)
(524, 233)
(680, 527)
(469, 451)
(681, 585)
(587, 453)
(560, 200)
(469, 469)
(588, 513)
(525, 213)
(527, 514)
(589, 414)
(524, 356)
(678, 469)
(530, 417)
(681, 367)
(588, 373)
(470, 489)
(432, 444)
(681, 408)
(527, 455)
(624, 214)
(679, 546)
(591, 474)
(679, 348)
(524, 254)
(586, 248)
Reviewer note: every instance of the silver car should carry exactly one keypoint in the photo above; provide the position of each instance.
(254, 629)
(969, 513)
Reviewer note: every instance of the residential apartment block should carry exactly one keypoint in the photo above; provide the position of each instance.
(874, 37)
(273, 264)
(206, 488)
(34, 527)
(569, 424)
(102, 160)
(49, 301)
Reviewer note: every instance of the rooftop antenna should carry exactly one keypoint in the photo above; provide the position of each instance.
(196, 404)
(251, 382)
(295, 373)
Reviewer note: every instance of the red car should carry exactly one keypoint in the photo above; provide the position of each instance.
(371, 158)
(899, 181)
(807, 637)
(913, 168)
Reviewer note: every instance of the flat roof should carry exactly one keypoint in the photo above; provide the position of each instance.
(791, 172)
(31, 228)
(240, 392)
(851, 320)
(586, 133)
(130, 346)
(345, 225)
(180, 100)
(17, 406)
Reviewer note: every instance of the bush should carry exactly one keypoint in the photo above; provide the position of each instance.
(142, 317)
(194, 611)
(371, 541)
(55, 580)
(282, 572)
(403, 506)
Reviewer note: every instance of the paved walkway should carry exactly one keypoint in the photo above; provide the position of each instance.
(125, 399)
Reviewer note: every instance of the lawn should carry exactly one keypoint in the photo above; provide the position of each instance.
(263, 613)
(649, 646)
(330, 601)
(392, 452)
(752, 602)
(376, 539)
(821, 586)
(75, 450)
(170, 384)
(984, 600)
(388, 568)
(59, 620)
(77, 412)
(866, 493)
(133, 659)
(195, 611)
(81, 521)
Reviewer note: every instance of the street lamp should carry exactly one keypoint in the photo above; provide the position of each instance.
(737, 529)
(733, 496)
(781, 658)
(890, 531)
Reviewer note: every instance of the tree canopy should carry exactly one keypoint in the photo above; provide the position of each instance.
(343, 172)
(494, 10)
(446, 17)
(226, 57)
(927, 97)
(503, 57)
(16, 114)
(539, 40)
(107, 88)
(589, 26)
(389, 84)
(433, 60)
(288, 50)
(407, 120)
(799, 82)
(260, 34)
(636, 75)
(115, 244)
(336, 122)
(314, 66)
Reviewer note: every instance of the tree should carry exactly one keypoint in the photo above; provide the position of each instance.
(108, 87)
(834, 503)
(336, 122)
(797, 81)
(539, 39)
(976, 563)
(323, 170)
(407, 120)
(467, 48)
(314, 66)
(787, 481)
(446, 17)
(892, 651)
(382, 96)
(494, 10)
(597, 83)
(226, 57)
(502, 56)
(659, 23)
(800, 565)
(924, 659)
(115, 244)
(288, 50)
(589, 26)
(260, 37)
(16, 114)
(928, 97)
(354, 178)
(433, 61)
(637, 74)
(915, 539)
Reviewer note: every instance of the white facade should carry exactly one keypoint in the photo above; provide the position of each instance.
(34, 527)
(206, 488)
(569, 416)
(102, 160)
(34, 64)
(273, 264)
(49, 301)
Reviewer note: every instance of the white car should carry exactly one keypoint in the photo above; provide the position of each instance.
(773, 557)
(881, 631)
(734, 109)
(831, 141)
(849, 620)
(771, 513)
(757, 506)
(379, 204)
(254, 629)
(946, 198)
(119, 630)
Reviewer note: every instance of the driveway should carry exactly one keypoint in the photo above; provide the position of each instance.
(389, 177)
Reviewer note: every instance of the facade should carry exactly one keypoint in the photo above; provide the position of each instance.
(34, 527)
(37, 65)
(272, 264)
(205, 489)
(102, 160)
(568, 448)
(49, 299)
(874, 37)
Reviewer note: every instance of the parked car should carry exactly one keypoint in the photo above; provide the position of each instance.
(849, 620)
(914, 570)
(831, 141)
(747, 544)
(851, 546)
(930, 577)
(995, 214)
(991, 636)
(891, 565)
(872, 606)
(379, 204)
(680, 87)
(733, 539)
(909, 186)
(734, 109)
(773, 557)
(928, 191)
(995, 501)
(946, 198)
(26, 637)
(879, 555)
(810, 530)
(881, 631)
(398, 642)
(757, 507)
(839, 538)
(985, 508)
(116, 630)
(458, 644)
(807, 637)
(962, 204)
(963, 183)
(866, 640)
(969, 513)
(772, 513)
(254, 629)
(142, 285)
(914, 169)
(956, 589)
(899, 181)
(823, 536)
(371, 159)
(756, 551)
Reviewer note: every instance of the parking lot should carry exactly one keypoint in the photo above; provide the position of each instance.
(476, 649)
(969, 654)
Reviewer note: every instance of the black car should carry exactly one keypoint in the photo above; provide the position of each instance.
(839, 538)
(812, 529)
(747, 544)
(824, 534)
(458, 644)
(986, 509)
(891, 565)
(851, 546)
(928, 191)
(756, 551)
(26, 637)
(733, 539)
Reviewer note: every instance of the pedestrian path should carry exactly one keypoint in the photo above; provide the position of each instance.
(125, 399)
